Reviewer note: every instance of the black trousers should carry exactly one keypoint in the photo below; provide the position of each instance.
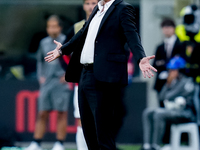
(97, 104)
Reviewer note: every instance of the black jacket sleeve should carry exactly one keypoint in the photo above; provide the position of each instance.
(127, 19)
(69, 47)
(70, 33)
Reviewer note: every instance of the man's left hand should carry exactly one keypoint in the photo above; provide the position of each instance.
(146, 68)
(54, 54)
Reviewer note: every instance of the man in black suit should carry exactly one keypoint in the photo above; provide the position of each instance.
(99, 65)
(168, 49)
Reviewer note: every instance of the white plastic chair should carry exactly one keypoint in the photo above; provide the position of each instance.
(193, 134)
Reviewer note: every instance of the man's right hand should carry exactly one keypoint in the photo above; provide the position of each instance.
(54, 54)
(146, 68)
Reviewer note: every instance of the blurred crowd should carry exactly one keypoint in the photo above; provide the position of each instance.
(178, 78)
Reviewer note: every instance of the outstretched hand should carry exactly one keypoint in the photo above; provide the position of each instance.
(54, 54)
(146, 68)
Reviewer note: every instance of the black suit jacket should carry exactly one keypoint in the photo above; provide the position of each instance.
(110, 61)
(161, 56)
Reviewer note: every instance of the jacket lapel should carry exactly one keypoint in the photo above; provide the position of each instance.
(105, 16)
(112, 7)
(109, 11)
(91, 16)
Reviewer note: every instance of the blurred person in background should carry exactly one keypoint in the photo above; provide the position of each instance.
(189, 33)
(164, 52)
(54, 92)
(88, 6)
(177, 94)
(189, 30)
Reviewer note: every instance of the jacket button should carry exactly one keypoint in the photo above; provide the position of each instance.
(96, 41)
(95, 54)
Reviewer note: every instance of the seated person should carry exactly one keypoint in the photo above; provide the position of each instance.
(177, 95)
(169, 48)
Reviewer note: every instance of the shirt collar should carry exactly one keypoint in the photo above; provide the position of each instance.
(107, 5)
(170, 39)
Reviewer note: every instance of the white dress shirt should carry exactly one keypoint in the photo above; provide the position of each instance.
(87, 55)
(169, 44)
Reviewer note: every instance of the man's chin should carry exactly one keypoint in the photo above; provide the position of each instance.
(54, 36)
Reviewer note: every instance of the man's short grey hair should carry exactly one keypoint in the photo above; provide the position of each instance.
(55, 18)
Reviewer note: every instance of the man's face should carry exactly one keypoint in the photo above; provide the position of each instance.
(89, 5)
(168, 31)
(53, 28)
(173, 73)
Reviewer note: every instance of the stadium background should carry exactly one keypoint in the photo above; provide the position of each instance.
(23, 20)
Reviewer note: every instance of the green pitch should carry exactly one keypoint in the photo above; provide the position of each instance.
(124, 147)
(121, 147)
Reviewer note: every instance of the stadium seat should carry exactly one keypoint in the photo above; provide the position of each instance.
(193, 134)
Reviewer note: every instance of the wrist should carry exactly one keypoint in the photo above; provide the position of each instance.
(60, 52)
(139, 60)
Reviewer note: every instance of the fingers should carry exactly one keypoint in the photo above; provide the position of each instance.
(49, 58)
(148, 73)
(144, 75)
(56, 42)
(154, 69)
(59, 45)
(50, 53)
(151, 57)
